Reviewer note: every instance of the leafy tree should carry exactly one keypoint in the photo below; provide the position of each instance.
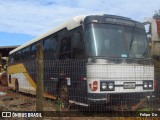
(157, 15)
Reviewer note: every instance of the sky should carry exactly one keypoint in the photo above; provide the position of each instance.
(23, 20)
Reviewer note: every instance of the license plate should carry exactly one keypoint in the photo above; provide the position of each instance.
(129, 85)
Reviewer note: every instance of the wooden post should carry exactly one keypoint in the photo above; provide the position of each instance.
(0, 62)
(40, 78)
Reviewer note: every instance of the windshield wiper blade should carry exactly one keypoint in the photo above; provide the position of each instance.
(133, 34)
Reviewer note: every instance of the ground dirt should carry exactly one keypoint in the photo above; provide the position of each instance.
(12, 101)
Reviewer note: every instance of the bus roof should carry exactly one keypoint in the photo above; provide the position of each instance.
(70, 24)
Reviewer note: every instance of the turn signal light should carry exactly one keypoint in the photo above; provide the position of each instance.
(95, 85)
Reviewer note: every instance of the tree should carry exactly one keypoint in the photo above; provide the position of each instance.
(157, 15)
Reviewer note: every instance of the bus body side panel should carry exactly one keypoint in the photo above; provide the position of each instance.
(20, 74)
(78, 83)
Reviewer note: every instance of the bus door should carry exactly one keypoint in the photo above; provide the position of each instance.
(79, 67)
(72, 68)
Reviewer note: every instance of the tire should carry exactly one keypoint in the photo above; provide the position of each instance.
(63, 95)
(16, 87)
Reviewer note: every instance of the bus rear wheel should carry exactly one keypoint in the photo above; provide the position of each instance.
(63, 95)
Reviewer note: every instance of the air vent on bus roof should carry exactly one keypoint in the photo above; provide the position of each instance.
(115, 16)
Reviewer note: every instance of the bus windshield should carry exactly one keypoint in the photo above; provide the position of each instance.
(110, 40)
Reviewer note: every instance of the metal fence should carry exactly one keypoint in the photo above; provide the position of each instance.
(88, 88)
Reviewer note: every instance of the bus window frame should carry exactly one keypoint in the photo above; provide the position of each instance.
(51, 37)
(81, 47)
(19, 56)
(25, 57)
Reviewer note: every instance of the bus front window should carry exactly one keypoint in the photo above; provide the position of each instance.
(108, 40)
(136, 42)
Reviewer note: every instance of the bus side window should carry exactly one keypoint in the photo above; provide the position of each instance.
(65, 49)
(18, 56)
(22, 54)
(78, 46)
(25, 53)
(33, 51)
(50, 44)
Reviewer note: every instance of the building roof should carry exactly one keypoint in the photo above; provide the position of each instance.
(5, 47)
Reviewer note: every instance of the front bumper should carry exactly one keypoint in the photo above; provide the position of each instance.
(104, 98)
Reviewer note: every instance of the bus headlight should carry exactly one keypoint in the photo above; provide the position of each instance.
(104, 86)
(147, 85)
(110, 86)
(107, 86)
(150, 85)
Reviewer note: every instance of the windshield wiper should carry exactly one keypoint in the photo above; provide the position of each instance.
(133, 34)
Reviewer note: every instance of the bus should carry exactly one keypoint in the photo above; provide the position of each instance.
(88, 60)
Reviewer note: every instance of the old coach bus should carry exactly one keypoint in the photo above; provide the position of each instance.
(88, 59)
